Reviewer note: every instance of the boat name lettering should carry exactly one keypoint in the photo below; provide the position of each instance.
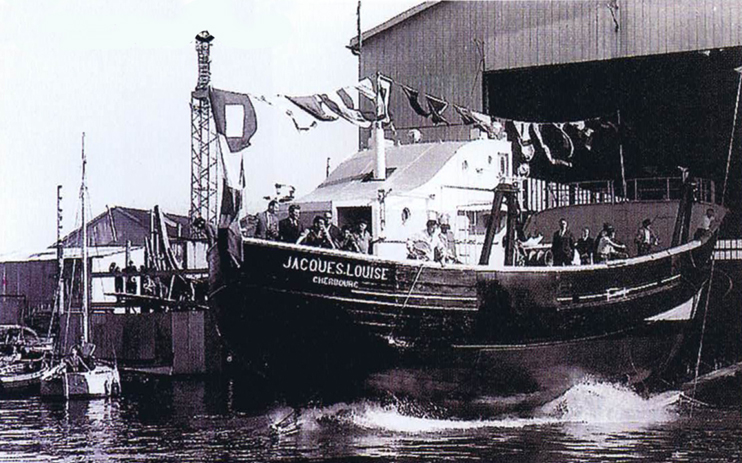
(327, 281)
(329, 267)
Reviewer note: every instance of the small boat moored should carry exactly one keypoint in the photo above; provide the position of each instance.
(79, 375)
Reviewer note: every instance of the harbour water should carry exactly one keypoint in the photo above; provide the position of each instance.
(193, 420)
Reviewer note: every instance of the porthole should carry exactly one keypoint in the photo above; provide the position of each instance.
(406, 215)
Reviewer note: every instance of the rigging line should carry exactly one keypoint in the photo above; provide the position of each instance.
(71, 287)
(393, 323)
(94, 238)
(479, 44)
(703, 331)
(731, 141)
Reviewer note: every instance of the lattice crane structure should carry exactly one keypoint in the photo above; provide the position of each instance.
(204, 143)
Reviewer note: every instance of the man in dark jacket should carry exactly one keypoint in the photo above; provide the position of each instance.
(563, 244)
(289, 229)
(586, 247)
(267, 225)
(335, 233)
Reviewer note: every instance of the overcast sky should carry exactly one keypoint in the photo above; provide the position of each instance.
(122, 72)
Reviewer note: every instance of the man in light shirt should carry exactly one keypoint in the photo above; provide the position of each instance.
(645, 238)
(426, 245)
(705, 228)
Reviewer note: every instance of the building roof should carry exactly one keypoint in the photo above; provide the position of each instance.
(178, 226)
(411, 166)
(519, 34)
(391, 23)
(69, 253)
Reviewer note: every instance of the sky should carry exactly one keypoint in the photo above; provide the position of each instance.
(122, 72)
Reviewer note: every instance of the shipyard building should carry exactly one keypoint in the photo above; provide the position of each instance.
(662, 71)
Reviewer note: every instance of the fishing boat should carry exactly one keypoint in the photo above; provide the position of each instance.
(16, 340)
(490, 324)
(79, 375)
(24, 375)
(26, 358)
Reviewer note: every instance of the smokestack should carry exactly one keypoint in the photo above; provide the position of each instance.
(379, 150)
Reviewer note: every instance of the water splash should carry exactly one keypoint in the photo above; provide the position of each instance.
(596, 402)
(589, 402)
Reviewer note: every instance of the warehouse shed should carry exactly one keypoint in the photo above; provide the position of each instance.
(664, 69)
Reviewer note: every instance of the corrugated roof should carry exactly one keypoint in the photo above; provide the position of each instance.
(413, 165)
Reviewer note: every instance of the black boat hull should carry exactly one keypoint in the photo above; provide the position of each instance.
(316, 320)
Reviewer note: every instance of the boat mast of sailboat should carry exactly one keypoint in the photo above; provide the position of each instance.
(84, 247)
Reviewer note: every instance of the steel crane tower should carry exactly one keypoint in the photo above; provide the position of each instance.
(204, 143)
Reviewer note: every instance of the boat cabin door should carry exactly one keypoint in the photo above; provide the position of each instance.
(352, 216)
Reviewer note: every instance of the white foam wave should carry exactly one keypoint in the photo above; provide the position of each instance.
(590, 402)
(596, 402)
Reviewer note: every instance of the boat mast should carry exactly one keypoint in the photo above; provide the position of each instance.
(60, 255)
(83, 189)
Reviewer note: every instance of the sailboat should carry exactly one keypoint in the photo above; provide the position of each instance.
(79, 375)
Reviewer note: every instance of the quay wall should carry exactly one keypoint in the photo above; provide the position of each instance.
(186, 341)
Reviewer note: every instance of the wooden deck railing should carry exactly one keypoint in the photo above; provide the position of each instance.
(538, 195)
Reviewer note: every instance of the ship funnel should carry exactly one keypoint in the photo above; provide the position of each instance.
(380, 151)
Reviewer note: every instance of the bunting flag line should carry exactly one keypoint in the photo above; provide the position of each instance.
(313, 105)
(234, 117)
(344, 105)
(366, 87)
(524, 140)
(579, 131)
(302, 121)
(412, 96)
(465, 114)
(243, 181)
(570, 144)
(436, 107)
(488, 124)
(383, 89)
(231, 203)
(545, 148)
(498, 128)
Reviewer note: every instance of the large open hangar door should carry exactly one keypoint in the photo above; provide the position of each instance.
(675, 109)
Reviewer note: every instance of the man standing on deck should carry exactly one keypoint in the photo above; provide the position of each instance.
(363, 238)
(705, 228)
(288, 228)
(267, 225)
(645, 238)
(585, 247)
(563, 244)
(334, 231)
(448, 239)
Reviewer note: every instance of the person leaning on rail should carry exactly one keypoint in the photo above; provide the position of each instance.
(705, 228)
(608, 248)
(318, 235)
(426, 244)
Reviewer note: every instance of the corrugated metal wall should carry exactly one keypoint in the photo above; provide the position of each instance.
(444, 49)
(36, 280)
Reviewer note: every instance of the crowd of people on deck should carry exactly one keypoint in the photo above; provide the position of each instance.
(323, 233)
(587, 250)
(437, 243)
